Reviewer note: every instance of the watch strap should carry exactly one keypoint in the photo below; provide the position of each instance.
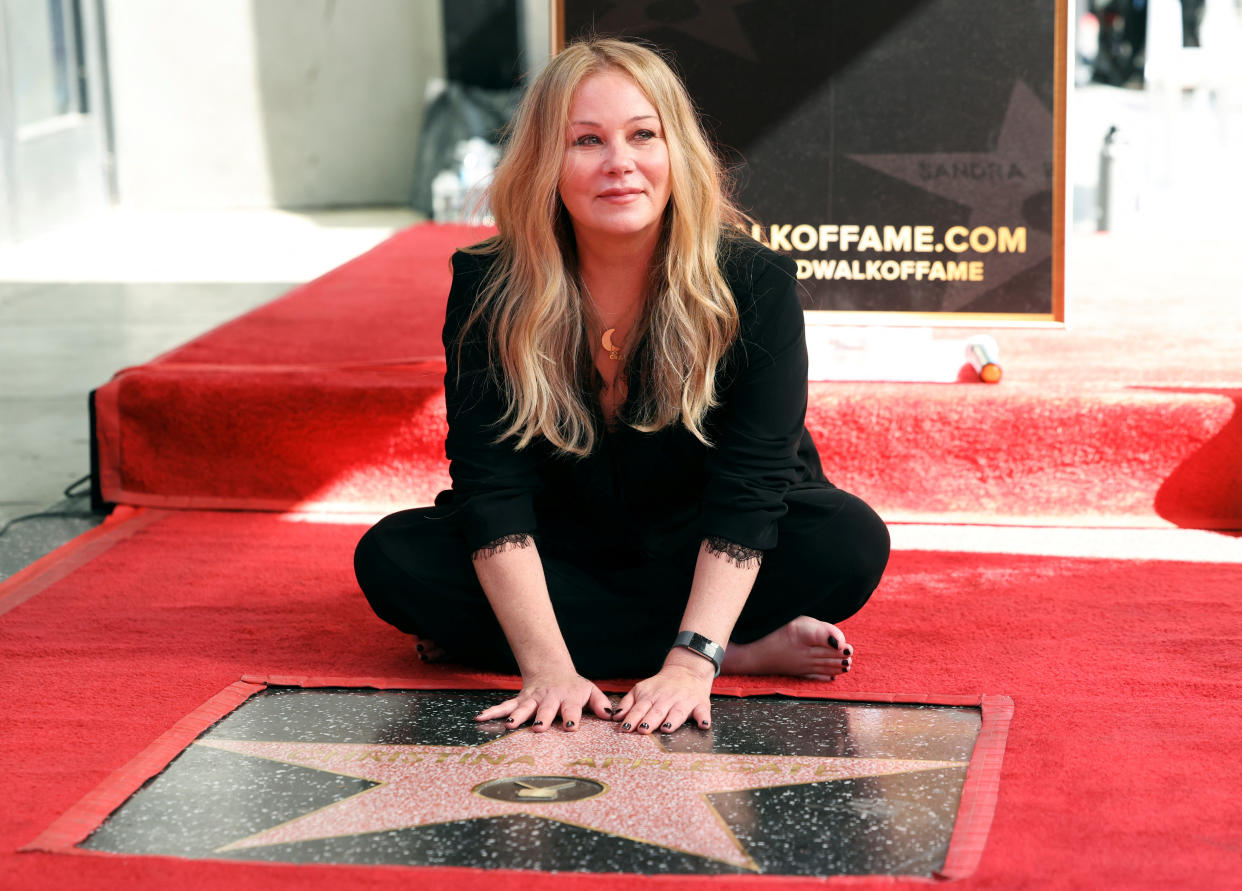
(705, 647)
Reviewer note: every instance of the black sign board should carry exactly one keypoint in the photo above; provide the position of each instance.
(908, 154)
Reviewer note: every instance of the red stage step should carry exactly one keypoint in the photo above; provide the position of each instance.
(331, 398)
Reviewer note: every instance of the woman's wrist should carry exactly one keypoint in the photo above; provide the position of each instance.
(549, 665)
(681, 658)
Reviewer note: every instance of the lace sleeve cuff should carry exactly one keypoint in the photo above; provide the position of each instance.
(739, 555)
(510, 542)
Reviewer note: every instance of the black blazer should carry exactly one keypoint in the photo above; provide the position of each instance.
(642, 496)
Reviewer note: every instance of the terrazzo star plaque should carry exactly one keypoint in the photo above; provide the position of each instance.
(779, 786)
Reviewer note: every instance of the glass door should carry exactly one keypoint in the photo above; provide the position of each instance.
(53, 123)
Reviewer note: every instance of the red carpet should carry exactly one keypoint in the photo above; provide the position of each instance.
(330, 399)
(1120, 772)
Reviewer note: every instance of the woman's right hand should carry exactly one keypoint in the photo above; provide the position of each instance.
(544, 696)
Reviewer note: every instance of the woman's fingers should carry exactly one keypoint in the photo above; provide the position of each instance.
(622, 708)
(600, 704)
(572, 705)
(545, 714)
(667, 715)
(571, 715)
(497, 711)
(522, 712)
(666, 698)
(675, 718)
(663, 713)
(543, 705)
(702, 715)
(636, 718)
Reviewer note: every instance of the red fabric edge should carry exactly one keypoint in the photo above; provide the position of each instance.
(117, 493)
(979, 794)
(72, 827)
(176, 369)
(974, 820)
(108, 438)
(123, 522)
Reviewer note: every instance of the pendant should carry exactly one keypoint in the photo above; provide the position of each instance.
(614, 351)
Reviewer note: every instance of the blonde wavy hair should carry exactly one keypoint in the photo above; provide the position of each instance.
(532, 300)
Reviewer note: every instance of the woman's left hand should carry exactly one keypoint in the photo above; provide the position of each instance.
(680, 690)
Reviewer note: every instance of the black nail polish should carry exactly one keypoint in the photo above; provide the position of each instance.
(538, 723)
(668, 726)
(832, 642)
(508, 720)
(569, 723)
(644, 726)
(625, 726)
(848, 651)
(610, 710)
(705, 724)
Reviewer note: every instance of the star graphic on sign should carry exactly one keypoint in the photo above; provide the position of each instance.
(713, 22)
(995, 185)
(599, 778)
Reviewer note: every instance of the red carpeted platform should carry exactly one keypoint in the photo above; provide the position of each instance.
(330, 399)
(1120, 769)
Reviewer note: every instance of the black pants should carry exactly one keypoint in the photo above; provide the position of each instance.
(618, 621)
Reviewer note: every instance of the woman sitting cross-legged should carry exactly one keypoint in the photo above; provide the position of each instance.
(635, 493)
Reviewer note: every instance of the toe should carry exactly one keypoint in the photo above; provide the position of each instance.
(820, 635)
(834, 638)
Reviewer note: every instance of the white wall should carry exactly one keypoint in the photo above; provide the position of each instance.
(535, 20)
(253, 103)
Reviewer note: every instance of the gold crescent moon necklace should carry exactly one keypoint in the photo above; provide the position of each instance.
(614, 350)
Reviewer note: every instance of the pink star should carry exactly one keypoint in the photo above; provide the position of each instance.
(648, 794)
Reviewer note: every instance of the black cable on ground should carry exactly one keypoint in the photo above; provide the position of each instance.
(57, 514)
(69, 493)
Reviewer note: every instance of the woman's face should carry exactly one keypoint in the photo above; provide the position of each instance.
(615, 176)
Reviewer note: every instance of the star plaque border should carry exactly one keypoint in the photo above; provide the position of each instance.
(970, 828)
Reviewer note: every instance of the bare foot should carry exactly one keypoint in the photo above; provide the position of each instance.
(803, 648)
(427, 650)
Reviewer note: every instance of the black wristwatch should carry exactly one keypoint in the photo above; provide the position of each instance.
(706, 648)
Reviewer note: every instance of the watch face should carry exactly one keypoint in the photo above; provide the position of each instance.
(697, 641)
(705, 647)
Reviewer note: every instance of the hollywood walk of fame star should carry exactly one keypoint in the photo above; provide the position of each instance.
(995, 185)
(648, 794)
